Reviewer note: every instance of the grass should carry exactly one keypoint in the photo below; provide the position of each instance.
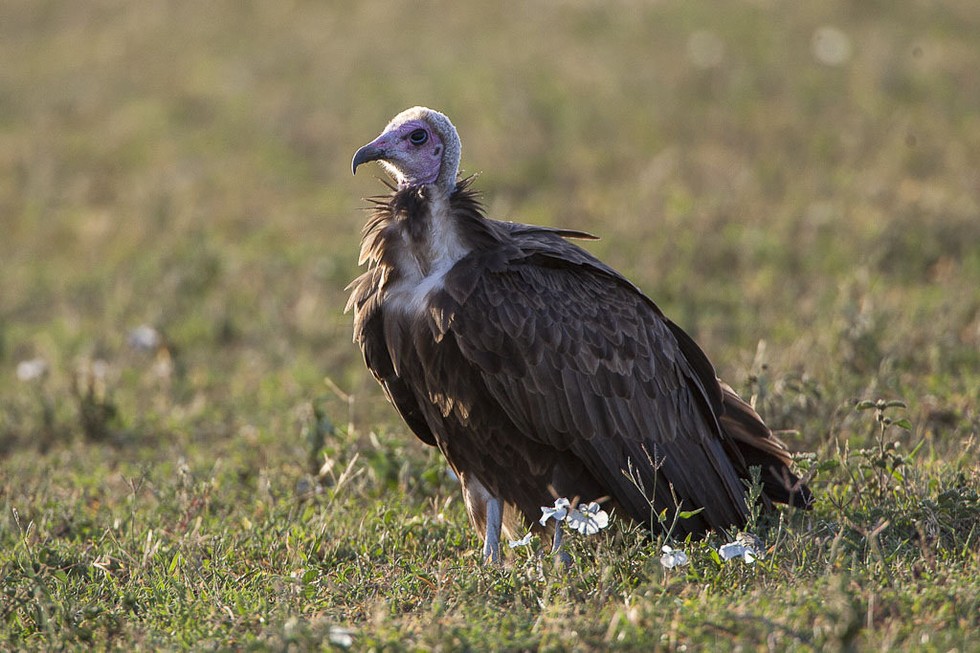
(186, 166)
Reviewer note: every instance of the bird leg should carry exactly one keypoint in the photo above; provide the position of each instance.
(556, 549)
(486, 513)
(556, 541)
(495, 520)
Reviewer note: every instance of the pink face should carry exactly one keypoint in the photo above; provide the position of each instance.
(411, 152)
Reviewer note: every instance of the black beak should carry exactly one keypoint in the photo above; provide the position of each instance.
(369, 152)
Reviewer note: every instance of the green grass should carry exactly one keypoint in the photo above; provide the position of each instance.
(186, 166)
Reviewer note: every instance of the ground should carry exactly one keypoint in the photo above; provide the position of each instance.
(796, 184)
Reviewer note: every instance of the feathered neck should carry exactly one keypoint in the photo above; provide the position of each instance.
(404, 202)
(414, 217)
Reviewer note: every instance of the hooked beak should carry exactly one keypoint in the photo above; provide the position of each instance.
(370, 152)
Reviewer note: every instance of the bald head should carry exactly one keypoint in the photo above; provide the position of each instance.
(419, 147)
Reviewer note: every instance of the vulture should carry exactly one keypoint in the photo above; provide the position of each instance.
(535, 368)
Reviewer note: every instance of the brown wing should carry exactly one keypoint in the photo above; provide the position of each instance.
(578, 359)
(369, 330)
(755, 445)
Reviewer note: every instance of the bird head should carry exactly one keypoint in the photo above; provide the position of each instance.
(418, 147)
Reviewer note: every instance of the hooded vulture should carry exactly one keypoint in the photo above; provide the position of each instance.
(536, 369)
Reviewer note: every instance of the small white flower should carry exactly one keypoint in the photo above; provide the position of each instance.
(100, 369)
(830, 46)
(673, 558)
(558, 513)
(736, 550)
(342, 637)
(746, 546)
(589, 519)
(144, 338)
(31, 370)
(524, 541)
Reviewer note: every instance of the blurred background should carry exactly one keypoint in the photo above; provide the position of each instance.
(796, 184)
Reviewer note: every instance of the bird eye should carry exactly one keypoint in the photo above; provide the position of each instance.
(418, 136)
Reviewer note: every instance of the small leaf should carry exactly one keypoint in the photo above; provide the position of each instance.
(687, 514)
(864, 405)
(828, 465)
(903, 423)
(172, 569)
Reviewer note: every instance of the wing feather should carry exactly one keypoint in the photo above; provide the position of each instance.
(578, 359)
(370, 334)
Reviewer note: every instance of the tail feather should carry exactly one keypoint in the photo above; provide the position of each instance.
(757, 446)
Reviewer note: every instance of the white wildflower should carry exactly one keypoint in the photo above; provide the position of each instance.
(588, 519)
(144, 338)
(524, 541)
(342, 637)
(830, 46)
(746, 546)
(100, 369)
(673, 558)
(31, 370)
(558, 513)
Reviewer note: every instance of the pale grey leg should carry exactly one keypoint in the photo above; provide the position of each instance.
(556, 542)
(556, 549)
(495, 520)
(484, 510)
